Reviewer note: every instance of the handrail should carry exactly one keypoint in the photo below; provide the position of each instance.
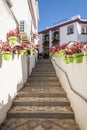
(80, 95)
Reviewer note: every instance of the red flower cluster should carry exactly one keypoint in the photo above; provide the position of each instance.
(57, 49)
(13, 33)
(4, 46)
(73, 47)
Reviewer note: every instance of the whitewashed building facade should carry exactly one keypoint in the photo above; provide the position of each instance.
(21, 14)
(74, 29)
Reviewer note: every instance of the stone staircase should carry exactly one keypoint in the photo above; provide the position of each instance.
(42, 104)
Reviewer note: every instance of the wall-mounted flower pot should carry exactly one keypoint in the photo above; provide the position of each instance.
(56, 54)
(66, 61)
(78, 57)
(12, 40)
(6, 55)
(61, 53)
(70, 58)
(23, 52)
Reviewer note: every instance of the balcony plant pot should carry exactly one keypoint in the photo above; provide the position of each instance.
(70, 58)
(56, 54)
(12, 40)
(78, 57)
(66, 60)
(61, 53)
(6, 55)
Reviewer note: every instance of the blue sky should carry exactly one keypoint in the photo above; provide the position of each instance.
(52, 12)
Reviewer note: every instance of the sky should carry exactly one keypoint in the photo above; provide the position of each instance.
(52, 12)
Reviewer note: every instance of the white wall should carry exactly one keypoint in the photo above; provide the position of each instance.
(6, 21)
(13, 75)
(81, 37)
(36, 11)
(32, 61)
(77, 74)
(22, 12)
(66, 38)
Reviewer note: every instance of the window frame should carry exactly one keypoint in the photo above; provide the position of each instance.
(70, 29)
(22, 26)
(84, 30)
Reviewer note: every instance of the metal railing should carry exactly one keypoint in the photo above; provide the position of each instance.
(80, 95)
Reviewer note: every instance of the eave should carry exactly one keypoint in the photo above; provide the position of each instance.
(56, 27)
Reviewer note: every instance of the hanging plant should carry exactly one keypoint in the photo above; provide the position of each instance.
(13, 36)
(6, 52)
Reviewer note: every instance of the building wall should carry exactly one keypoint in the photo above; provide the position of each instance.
(35, 5)
(81, 37)
(13, 75)
(66, 38)
(6, 21)
(22, 12)
(77, 74)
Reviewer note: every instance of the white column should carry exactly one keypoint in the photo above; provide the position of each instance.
(41, 42)
(50, 38)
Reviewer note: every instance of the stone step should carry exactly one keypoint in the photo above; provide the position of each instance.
(39, 124)
(42, 89)
(46, 83)
(40, 85)
(41, 79)
(43, 68)
(27, 94)
(40, 112)
(44, 74)
(41, 101)
(42, 71)
(47, 71)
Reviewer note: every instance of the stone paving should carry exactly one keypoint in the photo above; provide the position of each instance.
(41, 104)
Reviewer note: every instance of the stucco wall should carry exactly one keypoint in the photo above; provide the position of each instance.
(22, 12)
(77, 74)
(66, 38)
(13, 75)
(6, 21)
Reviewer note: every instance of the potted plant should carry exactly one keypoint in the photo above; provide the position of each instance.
(74, 50)
(12, 36)
(68, 55)
(17, 49)
(58, 51)
(6, 51)
(26, 49)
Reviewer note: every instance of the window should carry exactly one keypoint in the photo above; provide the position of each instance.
(46, 38)
(70, 29)
(55, 36)
(22, 26)
(84, 30)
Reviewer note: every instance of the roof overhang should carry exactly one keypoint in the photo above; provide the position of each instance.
(56, 27)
